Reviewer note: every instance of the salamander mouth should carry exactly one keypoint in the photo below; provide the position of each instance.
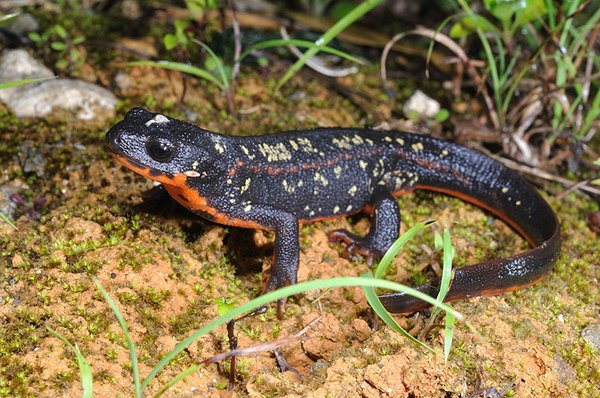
(131, 164)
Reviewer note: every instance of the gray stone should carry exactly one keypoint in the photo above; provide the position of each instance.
(86, 100)
(565, 372)
(591, 335)
(31, 159)
(23, 24)
(8, 206)
(422, 105)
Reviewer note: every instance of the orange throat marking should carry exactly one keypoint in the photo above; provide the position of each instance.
(188, 197)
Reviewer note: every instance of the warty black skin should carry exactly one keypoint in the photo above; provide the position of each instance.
(275, 182)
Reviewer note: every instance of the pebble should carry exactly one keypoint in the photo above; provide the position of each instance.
(86, 101)
(422, 105)
(31, 159)
(8, 206)
(23, 24)
(591, 335)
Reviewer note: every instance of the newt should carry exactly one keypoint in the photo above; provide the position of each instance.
(278, 182)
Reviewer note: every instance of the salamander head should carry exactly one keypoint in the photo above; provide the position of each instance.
(161, 148)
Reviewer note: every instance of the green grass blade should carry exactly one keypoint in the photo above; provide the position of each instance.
(448, 257)
(6, 220)
(290, 291)
(8, 16)
(592, 115)
(370, 293)
(175, 379)
(218, 61)
(335, 30)
(397, 245)
(185, 68)
(85, 371)
(130, 345)
(446, 279)
(384, 314)
(299, 43)
(448, 335)
(25, 81)
(489, 55)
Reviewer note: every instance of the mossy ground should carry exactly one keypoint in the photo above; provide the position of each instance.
(166, 268)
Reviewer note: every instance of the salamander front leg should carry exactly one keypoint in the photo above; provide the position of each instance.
(286, 254)
(385, 226)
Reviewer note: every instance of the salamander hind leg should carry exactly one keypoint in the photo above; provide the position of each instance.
(385, 226)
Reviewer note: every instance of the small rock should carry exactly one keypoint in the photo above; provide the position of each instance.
(591, 335)
(142, 47)
(40, 99)
(565, 372)
(8, 206)
(31, 159)
(23, 24)
(16, 65)
(362, 329)
(123, 82)
(593, 221)
(422, 105)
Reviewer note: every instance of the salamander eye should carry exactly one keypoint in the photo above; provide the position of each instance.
(160, 151)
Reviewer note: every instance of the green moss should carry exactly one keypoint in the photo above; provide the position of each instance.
(191, 319)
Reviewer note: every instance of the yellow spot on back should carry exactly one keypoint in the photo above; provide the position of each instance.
(352, 190)
(320, 178)
(219, 148)
(274, 153)
(247, 152)
(417, 147)
(343, 143)
(306, 145)
(245, 186)
(336, 209)
(337, 170)
(362, 164)
(288, 187)
(400, 141)
(357, 139)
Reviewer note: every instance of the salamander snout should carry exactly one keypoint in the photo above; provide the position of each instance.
(114, 138)
(137, 113)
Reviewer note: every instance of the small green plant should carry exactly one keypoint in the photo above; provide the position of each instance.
(224, 74)
(375, 302)
(85, 371)
(445, 244)
(66, 47)
(571, 51)
(561, 61)
(368, 282)
(319, 45)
